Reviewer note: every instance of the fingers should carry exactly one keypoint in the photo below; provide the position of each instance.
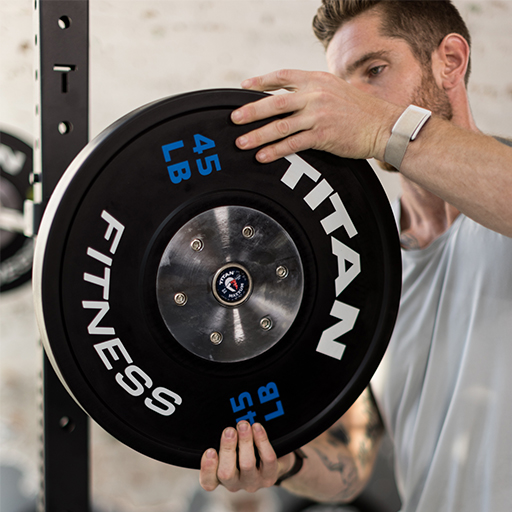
(293, 144)
(249, 475)
(275, 130)
(289, 131)
(267, 107)
(288, 79)
(294, 133)
(326, 113)
(268, 459)
(310, 108)
(208, 475)
(227, 472)
(235, 467)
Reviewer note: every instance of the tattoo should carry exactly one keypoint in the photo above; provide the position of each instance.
(408, 241)
(364, 454)
(338, 434)
(346, 468)
(374, 427)
(349, 447)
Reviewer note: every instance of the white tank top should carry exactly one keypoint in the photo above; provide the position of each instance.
(444, 387)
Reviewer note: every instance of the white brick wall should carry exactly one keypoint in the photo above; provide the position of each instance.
(143, 50)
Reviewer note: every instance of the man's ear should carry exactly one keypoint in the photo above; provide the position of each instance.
(450, 61)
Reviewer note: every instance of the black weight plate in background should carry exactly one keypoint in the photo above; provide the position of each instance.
(109, 344)
(16, 250)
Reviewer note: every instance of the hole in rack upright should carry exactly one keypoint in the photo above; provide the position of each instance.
(64, 22)
(65, 127)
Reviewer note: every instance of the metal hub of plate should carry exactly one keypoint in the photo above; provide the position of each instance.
(233, 274)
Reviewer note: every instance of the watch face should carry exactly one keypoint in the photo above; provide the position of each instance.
(405, 130)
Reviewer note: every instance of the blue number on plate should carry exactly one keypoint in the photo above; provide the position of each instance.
(241, 398)
(209, 159)
(202, 143)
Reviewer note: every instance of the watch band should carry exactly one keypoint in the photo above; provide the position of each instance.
(297, 466)
(406, 129)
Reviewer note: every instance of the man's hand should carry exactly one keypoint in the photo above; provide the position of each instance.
(237, 471)
(326, 114)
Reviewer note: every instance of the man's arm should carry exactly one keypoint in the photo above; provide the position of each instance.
(337, 466)
(469, 170)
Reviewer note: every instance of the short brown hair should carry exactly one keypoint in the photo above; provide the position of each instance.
(422, 24)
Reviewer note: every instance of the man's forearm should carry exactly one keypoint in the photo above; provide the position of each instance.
(469, 170)
(327, 476)
(339, 463)
(465, 168)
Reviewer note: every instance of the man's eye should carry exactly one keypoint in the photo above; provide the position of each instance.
(377, 70)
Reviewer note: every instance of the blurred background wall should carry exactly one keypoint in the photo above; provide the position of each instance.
(142, 50)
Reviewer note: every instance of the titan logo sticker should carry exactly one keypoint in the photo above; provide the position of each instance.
(346, 314)
(232, 285)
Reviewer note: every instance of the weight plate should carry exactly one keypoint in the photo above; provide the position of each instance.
(181, 286)
(16, 250)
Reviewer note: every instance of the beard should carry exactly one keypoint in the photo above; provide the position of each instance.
(427, 95)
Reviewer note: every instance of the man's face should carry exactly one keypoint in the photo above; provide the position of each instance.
(384, 67)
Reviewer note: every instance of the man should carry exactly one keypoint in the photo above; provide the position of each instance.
(442, 388)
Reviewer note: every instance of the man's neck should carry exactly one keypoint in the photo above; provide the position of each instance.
(424, 216)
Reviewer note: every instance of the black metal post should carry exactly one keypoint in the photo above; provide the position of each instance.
(65, 471)
(62, 78)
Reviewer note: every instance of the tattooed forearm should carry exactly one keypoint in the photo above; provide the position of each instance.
(341, 459)
(345, 466)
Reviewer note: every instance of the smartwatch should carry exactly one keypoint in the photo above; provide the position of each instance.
(405, 130)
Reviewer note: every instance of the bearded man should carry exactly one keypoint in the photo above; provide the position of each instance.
(442, 389)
